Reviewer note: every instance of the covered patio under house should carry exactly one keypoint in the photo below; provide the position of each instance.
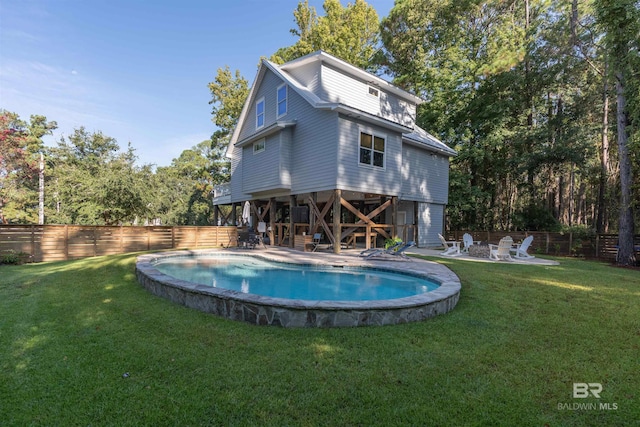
(350, 218)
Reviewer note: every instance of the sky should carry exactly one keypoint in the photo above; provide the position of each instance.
(136, 70)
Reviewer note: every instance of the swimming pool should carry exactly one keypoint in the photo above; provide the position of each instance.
(252, 275)
(424, 289)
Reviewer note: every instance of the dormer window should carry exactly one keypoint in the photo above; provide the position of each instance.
(374, 92)
(282, 100)
(260, 113)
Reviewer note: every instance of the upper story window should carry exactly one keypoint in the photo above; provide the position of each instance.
(372, 149)
(374, 92)
(258, 146)
(260, 113)
(282, 100)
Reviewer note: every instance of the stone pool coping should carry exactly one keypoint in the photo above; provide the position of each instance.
(262, 310)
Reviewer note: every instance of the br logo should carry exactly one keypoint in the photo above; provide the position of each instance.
(583, 390)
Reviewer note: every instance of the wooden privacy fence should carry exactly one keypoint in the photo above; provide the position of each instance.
(602, 246)
(64, 242)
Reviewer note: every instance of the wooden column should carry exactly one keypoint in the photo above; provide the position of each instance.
(416, 222)
(216, 215)
(234, 219)
(394, 217)
(292, 204)
(272, 222)
(312, 217)
(337, 230)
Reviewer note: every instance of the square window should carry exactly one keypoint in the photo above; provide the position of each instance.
(258, 147)
(371, 150)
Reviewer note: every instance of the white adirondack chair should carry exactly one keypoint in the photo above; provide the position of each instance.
(501, 251)
(467, 241)
(451, 248)
(521, 250)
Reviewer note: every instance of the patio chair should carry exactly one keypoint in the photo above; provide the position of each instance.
(467, 241)
(315, 242)
(451, 248)
(501, 251)
(398, 252)
(521, 250)
(394, 246)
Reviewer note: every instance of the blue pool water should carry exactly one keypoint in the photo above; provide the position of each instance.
(257, 276)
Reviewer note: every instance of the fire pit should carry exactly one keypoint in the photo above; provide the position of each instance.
(479, 251)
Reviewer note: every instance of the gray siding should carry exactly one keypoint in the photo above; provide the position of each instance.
(397, 110)
(356, 177)
(338, 87)
(314, 148)
(266, 90)
(237, 195)
(308, 76)
(425, 175)
(430, 223)
(268, 169)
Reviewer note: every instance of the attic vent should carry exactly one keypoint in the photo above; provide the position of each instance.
(373, 91)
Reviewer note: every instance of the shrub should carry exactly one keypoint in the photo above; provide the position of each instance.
(12, 257)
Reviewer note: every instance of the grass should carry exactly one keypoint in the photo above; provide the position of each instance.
(81, 343)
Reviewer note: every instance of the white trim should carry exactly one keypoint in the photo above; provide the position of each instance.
(256, 146)
(286, 100)
(261, 100)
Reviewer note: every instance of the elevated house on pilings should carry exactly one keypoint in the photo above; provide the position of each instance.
(324, 147)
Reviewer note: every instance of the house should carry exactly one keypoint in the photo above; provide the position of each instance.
(323, 146)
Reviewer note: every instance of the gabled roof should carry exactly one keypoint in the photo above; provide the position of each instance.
(417, 135)
(321, 56)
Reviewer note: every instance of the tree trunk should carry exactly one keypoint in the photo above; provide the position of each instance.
(626, 254)
(604, 156)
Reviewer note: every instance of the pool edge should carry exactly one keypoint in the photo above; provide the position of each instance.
(288, 313)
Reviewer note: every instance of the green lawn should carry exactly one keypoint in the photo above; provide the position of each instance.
(81, 343)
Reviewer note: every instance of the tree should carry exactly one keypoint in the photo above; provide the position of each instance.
(350, 33)
(20, 143)
(184, 187)
(92, 183)
(505, 86)
(620, 19)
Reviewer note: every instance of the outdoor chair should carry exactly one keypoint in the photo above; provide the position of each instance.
(451, 248)
(397, 252)
(467, 241)
(394, 246)
(315, 242)
(501, 251)
(521, 250)
(248, 239)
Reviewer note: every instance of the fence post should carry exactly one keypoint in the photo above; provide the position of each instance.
(66, 242)
(547, 243)
(95, 243)
(33, 242)
(197, 231)
(173, 237)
